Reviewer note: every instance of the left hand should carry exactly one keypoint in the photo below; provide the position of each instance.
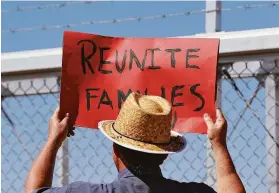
(59, 129)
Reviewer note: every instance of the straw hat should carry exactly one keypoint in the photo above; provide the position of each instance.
(144, 124)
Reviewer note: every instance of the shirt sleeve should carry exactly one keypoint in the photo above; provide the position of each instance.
(51, 190)
(75, 187)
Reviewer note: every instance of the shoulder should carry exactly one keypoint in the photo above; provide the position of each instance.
(198, 187)
(169, 185)
(77, 187)
(191, 187)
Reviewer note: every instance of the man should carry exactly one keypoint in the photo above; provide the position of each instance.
(142, 139)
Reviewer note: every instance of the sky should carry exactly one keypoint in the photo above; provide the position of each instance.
(32, 112)
(239, 19)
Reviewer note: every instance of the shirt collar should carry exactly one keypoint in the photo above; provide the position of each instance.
(126, 173)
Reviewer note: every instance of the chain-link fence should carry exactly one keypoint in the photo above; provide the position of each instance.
(248, 93)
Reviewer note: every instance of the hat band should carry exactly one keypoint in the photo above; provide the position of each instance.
(166, 143)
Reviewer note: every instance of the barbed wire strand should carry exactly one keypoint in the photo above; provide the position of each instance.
(161, 16)
(40, 7)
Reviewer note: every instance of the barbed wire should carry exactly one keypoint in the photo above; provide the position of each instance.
(161, 16)
(40, 7)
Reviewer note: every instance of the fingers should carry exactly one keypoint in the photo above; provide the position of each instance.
(56, 113)
(219, 115)
(208, 121)
(221, 121)
(65, 121)
(71, 132)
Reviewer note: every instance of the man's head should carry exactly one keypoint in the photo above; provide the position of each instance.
(143, 125)
(127, 158)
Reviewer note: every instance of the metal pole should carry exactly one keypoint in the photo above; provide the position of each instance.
(213, 16)
(272, 119)
(212, 24)
(63, 164)
(210, 162)
(63, 160)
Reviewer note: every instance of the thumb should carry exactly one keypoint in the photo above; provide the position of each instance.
(56, 113)
(220, 116)
(65, 120)
(208, 121)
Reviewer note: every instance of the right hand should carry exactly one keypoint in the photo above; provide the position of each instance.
(59, 129)
(217, 131)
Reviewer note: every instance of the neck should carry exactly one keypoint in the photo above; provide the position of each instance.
(145, 170)
(138, 169)
(120, 166)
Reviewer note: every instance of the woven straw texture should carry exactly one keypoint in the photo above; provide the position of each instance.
(144, 122)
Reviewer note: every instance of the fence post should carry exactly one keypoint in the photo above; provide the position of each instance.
(212, 24)
(213, 16)
(272, 121)
(63, 164)
(63, 159)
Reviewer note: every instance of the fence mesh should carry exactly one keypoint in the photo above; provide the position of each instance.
(248, 99)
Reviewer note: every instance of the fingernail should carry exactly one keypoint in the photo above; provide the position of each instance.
(205, 115)
(67, 114)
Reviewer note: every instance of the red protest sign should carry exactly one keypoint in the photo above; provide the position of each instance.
(99, 72)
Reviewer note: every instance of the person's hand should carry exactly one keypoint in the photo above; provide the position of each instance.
(59, 128)
(217, 131)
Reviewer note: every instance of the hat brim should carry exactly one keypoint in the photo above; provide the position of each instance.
(176, 144)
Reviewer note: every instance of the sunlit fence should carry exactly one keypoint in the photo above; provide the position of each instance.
(247, 93)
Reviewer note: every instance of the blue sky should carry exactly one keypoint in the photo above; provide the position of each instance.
(247, 149)
(175, 26)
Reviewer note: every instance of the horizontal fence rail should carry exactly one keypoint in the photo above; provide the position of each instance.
(248, 95)
(247, 102)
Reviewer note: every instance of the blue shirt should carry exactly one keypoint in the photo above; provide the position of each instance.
(129, 183)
